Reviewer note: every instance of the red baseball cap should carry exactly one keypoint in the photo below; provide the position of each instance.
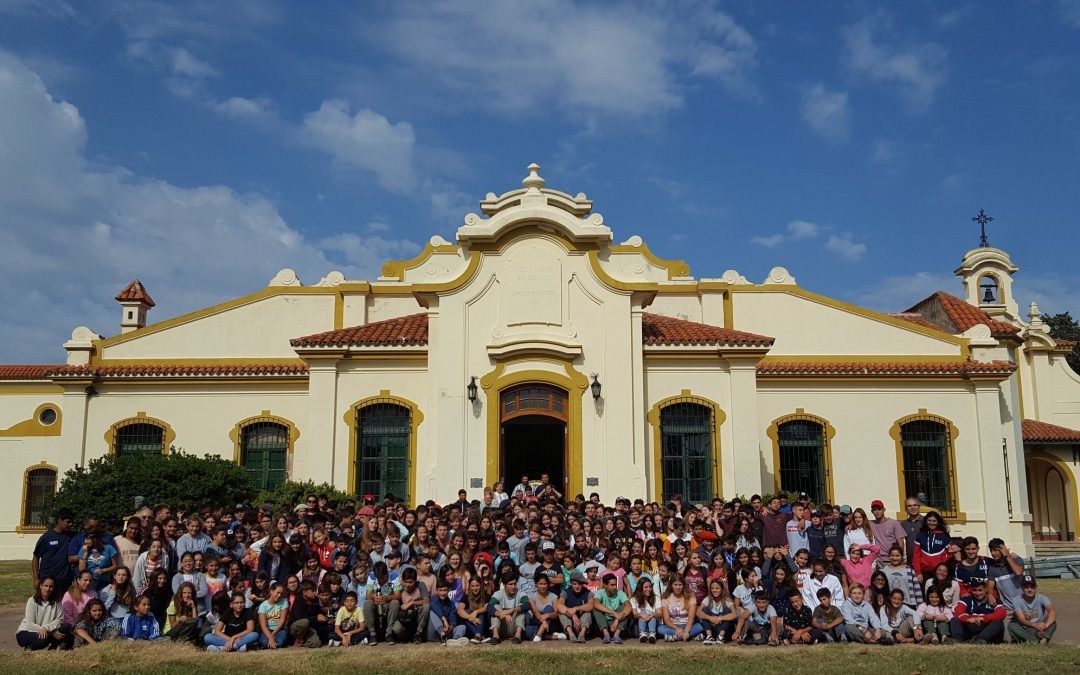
(877, 503)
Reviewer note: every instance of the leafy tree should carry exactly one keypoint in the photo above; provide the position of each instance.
(114, 487)
(1064, 327)
(291, 493)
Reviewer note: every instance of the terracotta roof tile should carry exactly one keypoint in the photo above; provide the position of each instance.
(209, 370)
(663, 330)
(26, 372)
(1044, 432)
(964, 315)
(402, 331)
(1065, 344)
(871, 369)
(918, 320)
(135, 291)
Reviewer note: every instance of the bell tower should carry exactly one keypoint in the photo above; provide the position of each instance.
(987, 275)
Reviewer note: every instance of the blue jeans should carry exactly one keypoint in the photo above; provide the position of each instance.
(646, 626)
(279, 638)
(724, 628)
(695, 630)
(474, 630)
(433, 630)
(211, 640)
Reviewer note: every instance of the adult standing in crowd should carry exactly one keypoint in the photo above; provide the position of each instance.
(912, 525)
(887, 531)
(53, 558)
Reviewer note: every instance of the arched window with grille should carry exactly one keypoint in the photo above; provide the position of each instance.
(264, 452)
(139, 436)
(927, 462)
(802, 455)
(383, 432)
(39, 487)
(687, 455)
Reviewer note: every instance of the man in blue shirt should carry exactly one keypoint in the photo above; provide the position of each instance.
(52, 558)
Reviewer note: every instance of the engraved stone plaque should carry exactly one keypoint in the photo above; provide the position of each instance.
(532, 287)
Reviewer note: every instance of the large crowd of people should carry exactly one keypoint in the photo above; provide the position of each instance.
(528, 566)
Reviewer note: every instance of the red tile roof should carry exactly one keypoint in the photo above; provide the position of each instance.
(1044, 432)
(872, 369)
(917, 319)
(25, 372)
(402, 331)
(209, 370)
(664, 330)
(135, 291)
(964, 316)
(1065, 344)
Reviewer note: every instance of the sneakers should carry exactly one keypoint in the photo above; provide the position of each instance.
(334, 643)
(538, 639)
(720, 639)
(486, 641)
(927, 639)
(843, 638)
(934, 639)
(644, 637)
(558, 636)
(606, 640)
(669, 638)
(390, 640)
(709, 640)
(947, 640)
(213, 649)
(616, 640)
(516, 640)
(700, 637)
(475, 640)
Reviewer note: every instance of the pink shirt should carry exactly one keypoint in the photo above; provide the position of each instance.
(861, 572)
(72, 610)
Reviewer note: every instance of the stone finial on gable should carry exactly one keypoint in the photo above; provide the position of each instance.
(533, 180)
(285, 277)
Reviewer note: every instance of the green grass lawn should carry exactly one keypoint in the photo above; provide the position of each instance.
(15, 585)
(164, 659)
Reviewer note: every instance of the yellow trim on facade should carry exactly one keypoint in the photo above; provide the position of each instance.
(18, 391)
(1066, 472)
(339, 310)
(950, 456)
(675, 268)
(22, 527)
(719, 417)
(963, 343)
(397, 268)
(264, 416)
(416, 417)
(141, 418)
(33, 426)
(628, 286)
(574, 383)
(773, 432)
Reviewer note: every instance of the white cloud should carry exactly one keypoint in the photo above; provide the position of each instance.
(377, 227)
(844, 246)
(238, 107)
(955, 182)
(917, 69)
(73, 233)
(364, 140)
(796, 230)
(897, 293)
(826, 112)
(617, 60)
(884, 152)
(187, 64)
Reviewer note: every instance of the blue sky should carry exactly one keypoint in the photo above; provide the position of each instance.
(202, 146)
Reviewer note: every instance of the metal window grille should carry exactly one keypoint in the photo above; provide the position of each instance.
(802, 457)
(140, 438)
(40, 489)
(264, 446)
(382, 457)
(686, 452)
(928, 470)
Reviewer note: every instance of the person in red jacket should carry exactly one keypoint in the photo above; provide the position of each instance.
(931, 545)
(978, 618)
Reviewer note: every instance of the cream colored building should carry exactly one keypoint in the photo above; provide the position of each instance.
(535, 342)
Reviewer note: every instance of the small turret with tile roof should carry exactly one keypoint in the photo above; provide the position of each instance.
(135, 303)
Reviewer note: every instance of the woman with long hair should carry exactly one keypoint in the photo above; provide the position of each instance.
(78, 594)
(272, 559)
(152, 559)
(42, 622)
(473, 611)
(119, 596)
(95, 624)
(878, 590)
(646, 607)
(183, 614)
(679, 611)
(718, 614)
(946, 583)
(931, 545)
(160, 593)
(858, 530)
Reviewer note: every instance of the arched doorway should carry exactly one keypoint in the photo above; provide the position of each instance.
(532, 429)
(1050, 497)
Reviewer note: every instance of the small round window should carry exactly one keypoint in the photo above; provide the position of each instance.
(47, 416)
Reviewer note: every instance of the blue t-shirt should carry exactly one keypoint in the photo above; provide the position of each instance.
(51, 551)
(95, 560)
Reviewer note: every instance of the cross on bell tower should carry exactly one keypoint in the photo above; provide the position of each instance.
(982, 218)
